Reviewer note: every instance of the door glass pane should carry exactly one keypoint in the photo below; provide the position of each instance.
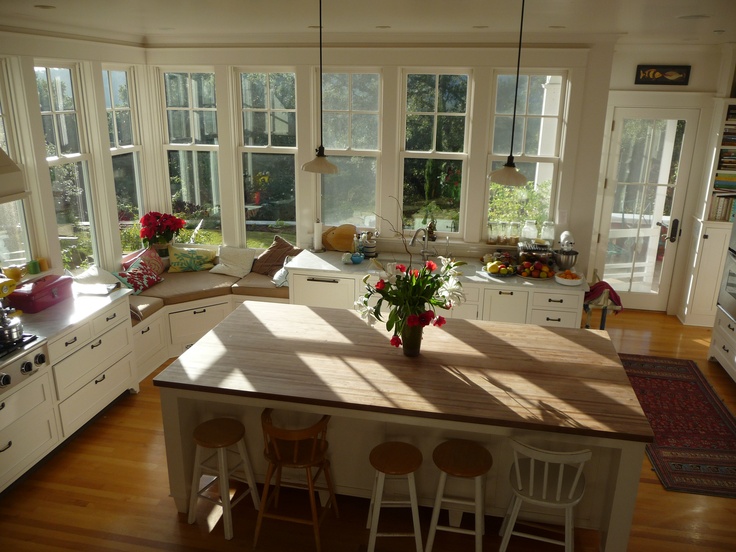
(649, 156)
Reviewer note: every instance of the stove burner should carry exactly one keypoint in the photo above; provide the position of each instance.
(8, 348)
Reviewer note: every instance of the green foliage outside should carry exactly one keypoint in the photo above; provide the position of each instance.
(508, 203)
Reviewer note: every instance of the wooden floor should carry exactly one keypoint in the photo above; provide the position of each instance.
(106, 488)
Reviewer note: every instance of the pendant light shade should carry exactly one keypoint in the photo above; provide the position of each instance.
(509, 175)
(320, 164)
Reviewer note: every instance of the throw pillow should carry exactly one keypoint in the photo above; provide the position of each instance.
(234, 261)
(95, 275)
(190, 259)
(151, 257)
(272, 259)
(139, 278)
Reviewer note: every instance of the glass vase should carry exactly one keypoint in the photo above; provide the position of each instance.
(411, 340)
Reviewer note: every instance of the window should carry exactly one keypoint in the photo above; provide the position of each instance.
(125, 149)
(13, 233)
(68, 165)
(191, 114)
(536, 145)
(351, 135)
(434, 153)
(268, 150)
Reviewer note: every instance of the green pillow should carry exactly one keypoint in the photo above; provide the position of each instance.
(190, 259)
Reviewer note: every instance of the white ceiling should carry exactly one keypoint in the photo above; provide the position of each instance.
(233, 22)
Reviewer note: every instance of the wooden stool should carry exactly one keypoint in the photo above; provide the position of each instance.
(394, 459)
(213, 439)
(466, 459)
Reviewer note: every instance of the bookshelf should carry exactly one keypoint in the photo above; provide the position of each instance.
(723, 179)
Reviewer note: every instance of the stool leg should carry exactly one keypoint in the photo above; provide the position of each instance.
(378, 497)
(373, 501)
(568, 530)
(510, 526)
(249, 477)
(264, 503)
(604, 313)
(313, 505)
(479, 519)
(197, 474)
(436, 511)
(224, 481)
(415, 511)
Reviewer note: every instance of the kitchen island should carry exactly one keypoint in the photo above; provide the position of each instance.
(554, 387)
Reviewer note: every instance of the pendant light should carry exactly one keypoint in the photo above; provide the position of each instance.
(320, 164)
(508, 175)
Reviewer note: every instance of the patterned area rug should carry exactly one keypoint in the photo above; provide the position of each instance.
(694, 449)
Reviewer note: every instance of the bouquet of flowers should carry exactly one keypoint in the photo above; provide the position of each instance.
(412, 296)
(160, 228)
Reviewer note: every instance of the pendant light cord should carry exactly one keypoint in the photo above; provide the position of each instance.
(516, 89)
(321, 137)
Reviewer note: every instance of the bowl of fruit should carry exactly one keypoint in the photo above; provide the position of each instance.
(569, 278)
(535, 270)
(499, 268)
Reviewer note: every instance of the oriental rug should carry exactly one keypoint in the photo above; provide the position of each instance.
(694, 449)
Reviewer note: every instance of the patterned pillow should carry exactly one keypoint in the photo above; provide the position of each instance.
(139, 278)
(151, 257)
(190, 259)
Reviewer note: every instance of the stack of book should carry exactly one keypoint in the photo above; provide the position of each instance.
(729, 136)
(723, 206)
(727, 160)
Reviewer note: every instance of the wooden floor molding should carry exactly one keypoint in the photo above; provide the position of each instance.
(106, 489)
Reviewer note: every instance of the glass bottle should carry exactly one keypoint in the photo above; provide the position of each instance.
(548, 232)
(513, 231)
(529, 232)
(492, 233)
(502, 239)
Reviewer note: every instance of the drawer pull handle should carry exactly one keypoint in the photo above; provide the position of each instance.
(100, 380)
(2, 406)
(67, 343)
(726, 349)
(324, 280)
(10, 444)
(95, 345)
(505, 292)
(187, 346)
(112, 317)
(554, 319)
(730, 327)
(148, 329)
(556, 301)
(199, 311)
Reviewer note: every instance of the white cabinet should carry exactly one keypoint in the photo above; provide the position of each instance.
(188, 325)
(723, 343)
(150, 343)
(505, 305)
(556, 308)
(709, 247)
(27, 428)
(471, 308)
(323, 290)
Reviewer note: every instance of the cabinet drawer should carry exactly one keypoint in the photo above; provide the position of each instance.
(111, 317)
(505, 305)
(465, 311)
(323, 291)
(74, 371)
(563, 319)
(472, 294)
(69, 342)
(725, 324)
(148, 338)
(189, 325)
(552, 300)
(95, 395)
(20, 403)
(25, 442)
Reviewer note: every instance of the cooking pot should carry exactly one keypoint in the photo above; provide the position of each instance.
(11, 329)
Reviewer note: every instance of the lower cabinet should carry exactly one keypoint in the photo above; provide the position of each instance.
(322, 291)
(723, 343)
(27, 428)
(471, 308)
(505, 305)
(556, 308)
(150, 344)
(187, 326)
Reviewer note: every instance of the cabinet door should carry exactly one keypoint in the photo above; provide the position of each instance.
(189, 325)
(505, 305)
(323, 291)
(467, 310)
(714, 244)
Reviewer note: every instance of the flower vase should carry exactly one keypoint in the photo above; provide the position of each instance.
(162, 249)
(411, 340)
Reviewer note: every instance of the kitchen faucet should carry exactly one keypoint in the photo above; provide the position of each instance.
(425, 243)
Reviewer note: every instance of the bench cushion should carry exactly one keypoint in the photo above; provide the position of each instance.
(259, 285)
(181, 287)
(142, 307)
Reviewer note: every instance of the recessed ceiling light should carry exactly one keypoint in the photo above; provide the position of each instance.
(557, 27)
(45, 7)
(480, 26)
(383, 26)
(719, 31)
(694, 16)
(313, 27)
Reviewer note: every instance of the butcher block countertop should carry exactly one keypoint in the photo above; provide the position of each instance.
(511, 375)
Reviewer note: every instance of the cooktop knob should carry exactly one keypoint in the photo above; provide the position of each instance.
(40, 359)
(26, 367)
(4, 380)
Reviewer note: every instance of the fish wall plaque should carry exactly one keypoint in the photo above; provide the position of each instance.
(662, 74)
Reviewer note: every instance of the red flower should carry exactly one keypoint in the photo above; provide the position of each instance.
(400, 268)
(413, 320)
(380, 284)
(431, 266)
(426, 317)
(440, 321)
(396, 341)
(414, 273)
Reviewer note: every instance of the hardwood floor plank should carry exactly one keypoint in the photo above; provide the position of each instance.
(106, 489)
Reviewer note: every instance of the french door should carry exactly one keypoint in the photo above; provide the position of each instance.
(641, 217)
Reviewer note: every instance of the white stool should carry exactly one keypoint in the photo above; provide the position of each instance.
(214, 439)
(394, 459)
(466, 459)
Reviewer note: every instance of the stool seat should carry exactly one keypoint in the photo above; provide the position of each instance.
(462, 458)
(395, 458)
(217, 433)
(220, 452)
